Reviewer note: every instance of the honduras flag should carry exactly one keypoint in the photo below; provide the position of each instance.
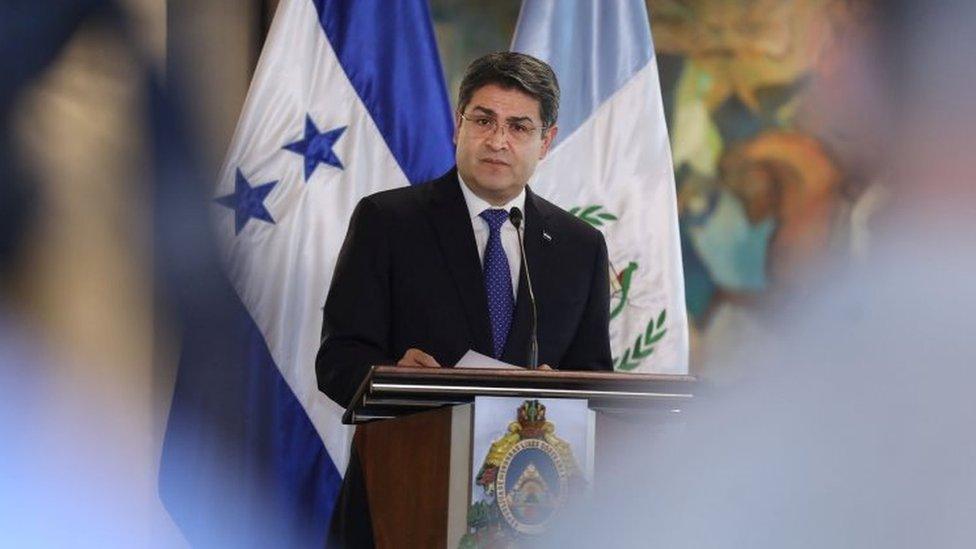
(611, 166)
(348, 99)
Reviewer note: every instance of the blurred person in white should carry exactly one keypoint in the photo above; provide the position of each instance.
(850, 425)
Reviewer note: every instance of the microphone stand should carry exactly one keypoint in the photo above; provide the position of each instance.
(515, 216)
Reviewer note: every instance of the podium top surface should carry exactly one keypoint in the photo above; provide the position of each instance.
(390, 391)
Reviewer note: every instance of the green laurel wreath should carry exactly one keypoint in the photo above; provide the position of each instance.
(594, 215)
(644, 344)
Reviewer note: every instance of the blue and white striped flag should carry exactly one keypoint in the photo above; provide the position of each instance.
(611, 166)
(348, 98)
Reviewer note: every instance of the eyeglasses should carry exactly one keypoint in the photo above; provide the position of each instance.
(483, 126)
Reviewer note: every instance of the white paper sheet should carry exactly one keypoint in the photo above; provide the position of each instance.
(474, 359)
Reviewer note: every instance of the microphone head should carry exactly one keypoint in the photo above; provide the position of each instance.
(515, 216)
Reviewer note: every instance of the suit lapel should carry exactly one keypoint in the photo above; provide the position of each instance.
(452, 223)
(517, 346)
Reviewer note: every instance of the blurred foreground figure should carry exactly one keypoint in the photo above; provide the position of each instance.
(72, 467)
(82, 121)
(851, 425)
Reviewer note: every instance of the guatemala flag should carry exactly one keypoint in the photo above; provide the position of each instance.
(348, 99)
(611, 166)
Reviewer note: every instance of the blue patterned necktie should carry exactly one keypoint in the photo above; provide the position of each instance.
(498, 281)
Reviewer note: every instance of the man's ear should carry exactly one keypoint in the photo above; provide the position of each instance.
(457, 126)
(547, 138)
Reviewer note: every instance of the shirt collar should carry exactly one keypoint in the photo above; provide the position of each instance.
(476, 204)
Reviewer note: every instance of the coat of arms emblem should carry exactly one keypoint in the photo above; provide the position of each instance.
(527, 476)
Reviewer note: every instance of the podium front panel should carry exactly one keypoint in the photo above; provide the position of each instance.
(529, 458)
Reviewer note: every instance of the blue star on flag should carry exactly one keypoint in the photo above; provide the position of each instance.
(316, 147)
(247, 201)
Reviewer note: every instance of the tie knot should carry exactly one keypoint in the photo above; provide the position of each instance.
(495, 218)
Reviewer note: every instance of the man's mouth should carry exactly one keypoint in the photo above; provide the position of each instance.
(494, 161)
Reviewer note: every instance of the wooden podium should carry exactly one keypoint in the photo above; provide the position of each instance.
(414, 427)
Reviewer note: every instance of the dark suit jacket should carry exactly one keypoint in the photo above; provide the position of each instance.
(409, 275)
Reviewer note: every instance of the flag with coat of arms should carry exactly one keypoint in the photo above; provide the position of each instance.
(611, 166)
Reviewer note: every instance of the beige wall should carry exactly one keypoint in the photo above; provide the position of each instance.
(212, 49)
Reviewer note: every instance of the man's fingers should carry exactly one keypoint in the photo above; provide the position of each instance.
(418, 359)
(426, 360)
(408, 360)
(545, 367)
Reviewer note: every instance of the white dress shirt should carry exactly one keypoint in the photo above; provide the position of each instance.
(508, 232)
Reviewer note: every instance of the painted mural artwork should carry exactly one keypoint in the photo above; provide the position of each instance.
(764, 190)
(766, 187)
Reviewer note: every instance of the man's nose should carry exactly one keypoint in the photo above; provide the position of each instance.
(497, 140)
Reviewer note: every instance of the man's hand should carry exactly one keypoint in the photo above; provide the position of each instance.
(544, 367)
(415, 358)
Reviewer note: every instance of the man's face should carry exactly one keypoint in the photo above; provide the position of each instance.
(496, 165)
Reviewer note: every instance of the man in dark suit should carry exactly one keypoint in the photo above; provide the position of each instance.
(430, 271)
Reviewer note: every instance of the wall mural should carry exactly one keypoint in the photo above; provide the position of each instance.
(763, 191)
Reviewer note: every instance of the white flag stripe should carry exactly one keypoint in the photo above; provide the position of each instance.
(639, 190)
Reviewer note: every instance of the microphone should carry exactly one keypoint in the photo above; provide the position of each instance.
(515, 216)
